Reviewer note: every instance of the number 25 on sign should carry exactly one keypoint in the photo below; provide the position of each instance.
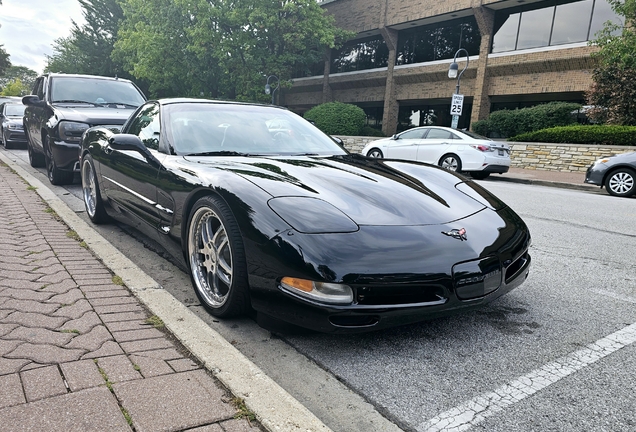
(457, 104)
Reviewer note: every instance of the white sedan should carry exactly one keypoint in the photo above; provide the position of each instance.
(452, 149)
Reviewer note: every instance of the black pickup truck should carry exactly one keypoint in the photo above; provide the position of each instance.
(62, 107)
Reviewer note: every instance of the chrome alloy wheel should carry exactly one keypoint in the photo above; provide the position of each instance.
(450, 163)
(621, 183)
(89, 188)
(210, 257)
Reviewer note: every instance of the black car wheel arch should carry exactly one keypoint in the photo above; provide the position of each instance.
(56, 176)
(375, 153)
(621, 182)
(216, 258)
(36, 160)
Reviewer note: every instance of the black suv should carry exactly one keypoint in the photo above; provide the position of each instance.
(62, 107)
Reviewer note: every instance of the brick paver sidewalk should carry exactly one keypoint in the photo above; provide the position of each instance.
(78, 351)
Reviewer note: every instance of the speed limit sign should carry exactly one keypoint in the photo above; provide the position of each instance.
(457, 104)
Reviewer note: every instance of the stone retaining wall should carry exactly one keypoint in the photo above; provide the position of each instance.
(539, 156)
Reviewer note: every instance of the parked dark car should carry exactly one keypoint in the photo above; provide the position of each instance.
(62, 107)
(11, 127)
(617, 173)
(292, 225)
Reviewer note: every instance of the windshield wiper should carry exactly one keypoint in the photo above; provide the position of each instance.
(305, 154)
(219, 153)
(120, 103)
(73, 101)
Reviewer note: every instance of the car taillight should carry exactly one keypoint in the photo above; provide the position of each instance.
(481, 147)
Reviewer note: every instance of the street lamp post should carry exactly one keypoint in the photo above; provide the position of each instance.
(269, 89)
(458, 99)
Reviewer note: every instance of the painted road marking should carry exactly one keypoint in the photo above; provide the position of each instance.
(476, 410)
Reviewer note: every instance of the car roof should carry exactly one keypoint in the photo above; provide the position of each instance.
(64, 75)
(170, 101)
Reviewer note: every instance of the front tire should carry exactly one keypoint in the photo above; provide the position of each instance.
(216, 258)
(56, 176)
(375, 153)
(451, 162)
(90, 192)
(36, 160)
(621, 182)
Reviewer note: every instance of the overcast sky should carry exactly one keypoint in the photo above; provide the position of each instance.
(29, 28)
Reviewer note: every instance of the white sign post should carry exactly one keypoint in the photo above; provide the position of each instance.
(456, 109)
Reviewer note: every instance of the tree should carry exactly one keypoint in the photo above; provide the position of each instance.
(222, 48)
(15, 88)
(24, 74)
(5, 63)
(88, 49)
(613, 93)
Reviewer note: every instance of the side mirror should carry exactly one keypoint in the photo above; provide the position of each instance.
(338, 141)
(33, 100)
(127, 142)
(394, 137)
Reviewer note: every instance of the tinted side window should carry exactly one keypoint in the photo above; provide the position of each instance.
(412, 134)
(146, 126)
(38, 88)
(438, 134)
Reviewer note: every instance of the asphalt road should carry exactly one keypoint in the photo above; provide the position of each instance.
(556, 354)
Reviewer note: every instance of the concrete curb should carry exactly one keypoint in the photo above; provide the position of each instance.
(561, 185)
(274, 408)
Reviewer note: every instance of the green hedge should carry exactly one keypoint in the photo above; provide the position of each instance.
(337, 118)
(582, 134)
(506, 123)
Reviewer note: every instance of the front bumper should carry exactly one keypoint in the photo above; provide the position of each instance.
(595, 174)
(496, 169)
(392, 289)
(15, 136)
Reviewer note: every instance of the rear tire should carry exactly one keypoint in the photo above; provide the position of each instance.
(375, 153)
(451, 162)
(216, 258)
(479, 175)
(621, 182)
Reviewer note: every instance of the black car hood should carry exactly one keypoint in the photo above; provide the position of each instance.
(93, 115)
(369, 191)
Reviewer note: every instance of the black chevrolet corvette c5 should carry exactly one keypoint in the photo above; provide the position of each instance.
(269, 213)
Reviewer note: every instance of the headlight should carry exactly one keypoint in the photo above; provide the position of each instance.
(72, 131)
(312, 215)
(323, 292)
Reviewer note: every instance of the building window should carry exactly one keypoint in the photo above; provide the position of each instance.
(358, 55)
(438, 42)
(307, 70)
(567, 22)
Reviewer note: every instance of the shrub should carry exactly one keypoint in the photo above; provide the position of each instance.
(582, 134)
(337, 118)
(508, 123)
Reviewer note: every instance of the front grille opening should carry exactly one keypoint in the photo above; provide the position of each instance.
(354, 320)
(513, 269)
(400, 295)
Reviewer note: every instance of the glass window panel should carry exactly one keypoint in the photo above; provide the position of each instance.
(361, 55)
(506, 37)
(438, 134)
(534, 30)
(602, 13)
(571, 22)
(412, 134)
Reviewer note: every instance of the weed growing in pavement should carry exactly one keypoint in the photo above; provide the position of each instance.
(155, 321)
(109, 384)
(127, 416)
(72, 234)
(83, 244)
(50, 211)
(118, 280)
(70, 331)
(243, 411)
(136, 367)
(44, 286)
(31, 188)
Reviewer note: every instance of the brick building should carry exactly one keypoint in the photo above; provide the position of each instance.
(520, 52)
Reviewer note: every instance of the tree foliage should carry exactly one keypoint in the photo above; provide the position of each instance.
(24, 74)
(222, 48)
(613, 93)
(5, 63)
(88, 49)
(15, 88)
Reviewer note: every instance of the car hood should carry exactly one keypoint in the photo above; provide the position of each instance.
(369, 191)
(93, 115)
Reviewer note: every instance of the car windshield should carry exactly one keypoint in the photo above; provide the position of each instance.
(212, 129)
(95, 91)
(14, 110)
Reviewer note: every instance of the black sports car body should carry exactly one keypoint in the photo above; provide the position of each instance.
(287, 222)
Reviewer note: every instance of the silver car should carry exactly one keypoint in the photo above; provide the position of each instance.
(452, 149)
